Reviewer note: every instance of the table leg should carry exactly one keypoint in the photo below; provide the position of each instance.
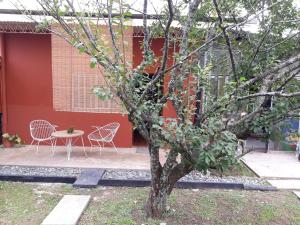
(83, 146)
(53, 146)
(69, 147)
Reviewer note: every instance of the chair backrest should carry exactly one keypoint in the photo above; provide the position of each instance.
(41, 129)
(108, 131)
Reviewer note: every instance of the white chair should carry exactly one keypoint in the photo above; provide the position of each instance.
(104, 135)
(41, 131)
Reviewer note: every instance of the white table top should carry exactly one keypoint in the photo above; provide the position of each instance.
(65, 134)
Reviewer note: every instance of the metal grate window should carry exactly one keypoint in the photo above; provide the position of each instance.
(83, 100)
(73, 80)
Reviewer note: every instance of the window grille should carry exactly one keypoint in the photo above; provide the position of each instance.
(83, 100)
(73, 80)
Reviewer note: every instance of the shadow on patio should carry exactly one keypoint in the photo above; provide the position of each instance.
(125, 158)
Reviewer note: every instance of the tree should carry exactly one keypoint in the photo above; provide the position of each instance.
(225, 81)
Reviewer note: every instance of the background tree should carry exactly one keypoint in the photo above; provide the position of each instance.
(227, 79)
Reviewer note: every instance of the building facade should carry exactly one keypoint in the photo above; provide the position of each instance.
(42, 77)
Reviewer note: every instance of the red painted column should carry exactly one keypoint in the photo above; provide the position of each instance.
(3, 83)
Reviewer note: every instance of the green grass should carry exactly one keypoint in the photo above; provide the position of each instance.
(28, 204)
(268, 213)
(206, 207)
(220, 207)
(113, 212)
(19, 204)
(239, 170)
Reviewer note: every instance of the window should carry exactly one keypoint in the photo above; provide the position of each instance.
(73, 80)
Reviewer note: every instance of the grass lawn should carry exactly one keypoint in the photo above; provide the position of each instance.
(28, 204)
(239, 170)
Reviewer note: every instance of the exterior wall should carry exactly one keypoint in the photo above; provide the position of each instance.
(29, 94)
(29, 91)
(3, 86)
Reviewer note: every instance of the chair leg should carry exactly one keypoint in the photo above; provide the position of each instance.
(91, 145)
(31, 144)
(37, 146)
(53, 146)
(100, 149)
(83, 146)
(114, 146)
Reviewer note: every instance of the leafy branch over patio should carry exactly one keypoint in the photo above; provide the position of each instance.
(222, 80)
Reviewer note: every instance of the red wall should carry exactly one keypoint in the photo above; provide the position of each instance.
(28, 84)
(29, 91)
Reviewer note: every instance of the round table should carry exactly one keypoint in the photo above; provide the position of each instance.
(69, 139)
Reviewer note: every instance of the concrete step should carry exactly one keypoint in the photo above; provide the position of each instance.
(89, 178)
(286, 184)
(68, 210)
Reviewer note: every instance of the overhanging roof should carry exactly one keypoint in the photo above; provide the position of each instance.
(20, 27)
(31, 27)
(15, 21)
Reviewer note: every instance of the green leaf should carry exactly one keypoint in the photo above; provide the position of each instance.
(93, 62)
(243, 79)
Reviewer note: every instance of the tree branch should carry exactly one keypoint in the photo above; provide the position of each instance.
(228, 42)
(112, 33)
(258, 48)
(293, 71)
(275, 69)
(159, 71)
(192, 53)
(166, 36)
(146, 36)
(273, 93)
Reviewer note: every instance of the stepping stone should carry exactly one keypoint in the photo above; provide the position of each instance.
(297, 193)
(68, 210)
(286, 184)
(89, 178)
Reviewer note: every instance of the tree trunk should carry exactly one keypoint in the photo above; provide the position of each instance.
(161, 188)
(163, 180)
(157, 203)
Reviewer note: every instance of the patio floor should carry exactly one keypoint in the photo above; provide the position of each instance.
(274, 164)
(280, 168)
(125, 158)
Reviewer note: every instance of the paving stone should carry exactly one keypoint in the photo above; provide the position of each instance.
(297, 193)
(89, 178)
(286, 184)
(259, 187)
(274, 164)
(68, 210)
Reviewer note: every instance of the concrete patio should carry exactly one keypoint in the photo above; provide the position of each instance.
(280, 168)
(125, 158)
(274, 164)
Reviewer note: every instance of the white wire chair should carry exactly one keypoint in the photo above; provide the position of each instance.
(41, 131)
(104, 135)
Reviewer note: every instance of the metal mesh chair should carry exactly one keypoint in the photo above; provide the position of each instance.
(41, 131)
(104, 135)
